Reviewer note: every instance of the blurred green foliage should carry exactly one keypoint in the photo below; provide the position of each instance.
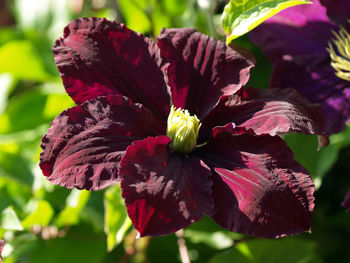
(45, 223)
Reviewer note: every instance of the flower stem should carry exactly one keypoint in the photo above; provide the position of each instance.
(185, 258)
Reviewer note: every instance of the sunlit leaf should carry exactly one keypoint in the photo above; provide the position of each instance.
(160, 20)
(216, 240)
(9, 220)
(75, 202)
(19, 59)
(117, 221)
(47, 16)
(8, 34)
(241, 16)
(134, 14)
(286, 250)
(55, 104)
(41, 214)
(6, 84)
(24, 112)
(176, 7)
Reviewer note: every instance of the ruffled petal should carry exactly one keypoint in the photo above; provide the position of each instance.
(201, 69)
(346, 202)
(85, 144)
(258, 188)
(97, 57)
(267, 112)
(163, 191)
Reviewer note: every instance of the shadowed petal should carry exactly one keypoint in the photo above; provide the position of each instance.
(163, 192)
(201, 69)
(296, 42)
(338, 11)
(97, 57)
(298, 30)
(319, 84)
(268, 112)
(257, 186)
(346, 202)
(85, 144)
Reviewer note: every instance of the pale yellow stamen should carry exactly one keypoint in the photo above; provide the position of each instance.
(183, 130)
(339, 51)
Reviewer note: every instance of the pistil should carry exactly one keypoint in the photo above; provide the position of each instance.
(182, 129)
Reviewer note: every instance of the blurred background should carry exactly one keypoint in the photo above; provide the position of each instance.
(42, 223)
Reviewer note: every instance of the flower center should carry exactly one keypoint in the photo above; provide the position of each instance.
(339, 51)
(183, 130)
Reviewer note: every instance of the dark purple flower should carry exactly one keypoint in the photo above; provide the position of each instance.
(298, 42)
(237, 171)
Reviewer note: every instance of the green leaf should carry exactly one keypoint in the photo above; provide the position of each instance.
(217, 240)
(24, 112)
(15, 167)
(117, 221)
(160, 20)
(317, 163)
(55, 104)
(20, 59)
(9, 220)
(342, 139)
(8, 34)
(41, 214)
(46, 16)
(286, 250)
(13, 194)
(175, 8)
(75, 203)
(241, 16)
(77, 247)
(135, 16)
(6, 85)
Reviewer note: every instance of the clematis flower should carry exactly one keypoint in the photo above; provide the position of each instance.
(308, 46)
(172, 122)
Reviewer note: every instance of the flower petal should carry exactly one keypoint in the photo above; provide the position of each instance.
(163, 191)
(258, 188)
(317, 83)
(298, 30)
(338, 11)
(296, 42)
(201, 69)
(346, 202)
(85, 144)
(268, 112)
(97, 57)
